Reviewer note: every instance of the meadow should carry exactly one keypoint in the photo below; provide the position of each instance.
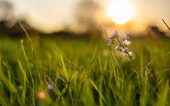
(42, 71)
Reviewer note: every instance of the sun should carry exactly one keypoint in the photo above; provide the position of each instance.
(120, 11)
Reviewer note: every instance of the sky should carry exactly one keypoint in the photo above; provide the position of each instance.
(151, 12)
(46, 15)
(52, 15)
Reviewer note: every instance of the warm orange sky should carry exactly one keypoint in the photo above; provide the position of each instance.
(51, 15)
(147, 12)
(152, 11)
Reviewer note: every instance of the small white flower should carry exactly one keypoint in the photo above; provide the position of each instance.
(130, 54)
(50, 87)
(126, 42)
(117, 48)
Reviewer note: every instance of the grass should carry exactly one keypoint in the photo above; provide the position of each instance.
(83, 72)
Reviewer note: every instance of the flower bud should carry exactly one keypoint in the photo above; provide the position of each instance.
(110, 42)
(125, 50)
(114, 34)
(50, 87)
(124, 36)
(130, 54)
(117, 48)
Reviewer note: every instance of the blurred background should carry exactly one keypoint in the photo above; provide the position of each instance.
(64, 59)
(84, 17)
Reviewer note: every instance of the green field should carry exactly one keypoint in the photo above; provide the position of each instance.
(83, 72)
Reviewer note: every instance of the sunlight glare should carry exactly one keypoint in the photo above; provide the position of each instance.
(120, 11)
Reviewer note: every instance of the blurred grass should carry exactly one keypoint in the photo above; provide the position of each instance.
(83, 72)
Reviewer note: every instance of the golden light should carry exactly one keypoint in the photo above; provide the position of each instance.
(120, 11)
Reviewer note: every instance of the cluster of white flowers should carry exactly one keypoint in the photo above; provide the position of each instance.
(121, 41)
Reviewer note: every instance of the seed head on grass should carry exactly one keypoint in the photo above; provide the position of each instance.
(21, 40)
(20, 87)
(121, 43)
